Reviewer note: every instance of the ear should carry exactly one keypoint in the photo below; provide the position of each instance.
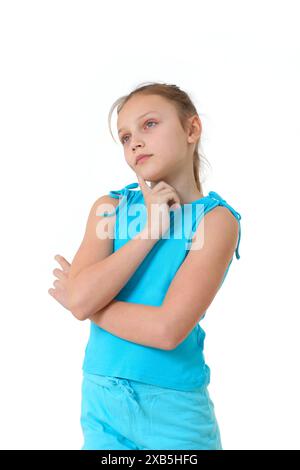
(194, 129)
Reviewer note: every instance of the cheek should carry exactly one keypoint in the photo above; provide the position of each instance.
(170, 143)
(128, 162)
(171, 153)
(164, 163)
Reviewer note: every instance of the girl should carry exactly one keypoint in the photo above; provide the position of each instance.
(146, 281)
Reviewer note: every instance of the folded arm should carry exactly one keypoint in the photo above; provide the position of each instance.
(139, 323)
(191, 292)
(97, 274)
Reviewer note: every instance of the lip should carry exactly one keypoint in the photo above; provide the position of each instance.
(141, 156)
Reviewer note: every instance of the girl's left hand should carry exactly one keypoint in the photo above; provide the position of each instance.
(61, 290)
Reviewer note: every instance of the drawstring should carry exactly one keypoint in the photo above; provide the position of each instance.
(126, 387)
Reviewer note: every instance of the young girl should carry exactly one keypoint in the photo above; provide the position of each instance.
(146, 285)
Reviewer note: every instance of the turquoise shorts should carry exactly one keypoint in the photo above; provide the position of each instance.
(123, 414)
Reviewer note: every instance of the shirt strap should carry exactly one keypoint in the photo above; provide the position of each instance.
(222, 202)
(117, 194)
(124, 191)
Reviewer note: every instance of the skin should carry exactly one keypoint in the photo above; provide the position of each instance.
(172, 162)
(60, 291)
(172, 147)
(172, 150)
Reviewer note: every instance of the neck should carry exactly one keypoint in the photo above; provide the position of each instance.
(184, 185)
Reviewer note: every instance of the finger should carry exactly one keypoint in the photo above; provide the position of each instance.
(63, 262)
(55, 294)
(52, 292)
(175, 206)
(173, 201)
(143, 183)
(171, 195)
(162, 185)
(59, 273)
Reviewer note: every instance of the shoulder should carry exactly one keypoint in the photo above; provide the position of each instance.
(219, 229)
(222, 218)
(97, 242)
(106, 199)
(103, 206)
(106, 205)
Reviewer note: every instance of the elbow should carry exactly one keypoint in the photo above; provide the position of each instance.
(81, 313)
(167, 335)
(172, 339)
(170, 344)
(72, 298)
(78, 312)
(168, 341)
(76, 308)
(78, 303)
(81, 306)
(169, 347)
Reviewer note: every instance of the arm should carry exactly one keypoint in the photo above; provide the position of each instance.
(191, 292)
(198, 279)
(189, 295)
(139, 323)
(96, 285)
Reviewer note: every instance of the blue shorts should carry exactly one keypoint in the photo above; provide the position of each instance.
(119, 413)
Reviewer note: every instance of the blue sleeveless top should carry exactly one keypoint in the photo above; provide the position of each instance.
(184, 367)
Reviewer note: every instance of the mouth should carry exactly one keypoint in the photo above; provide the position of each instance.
(142, 158)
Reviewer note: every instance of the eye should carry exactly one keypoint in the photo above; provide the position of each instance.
(147, 122)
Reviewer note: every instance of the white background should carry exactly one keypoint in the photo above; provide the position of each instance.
(63, 64)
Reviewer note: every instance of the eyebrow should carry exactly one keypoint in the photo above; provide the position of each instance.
(142, 115)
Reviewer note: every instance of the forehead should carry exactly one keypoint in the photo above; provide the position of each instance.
(139, 105)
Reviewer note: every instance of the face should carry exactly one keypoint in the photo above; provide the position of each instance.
(158, 133)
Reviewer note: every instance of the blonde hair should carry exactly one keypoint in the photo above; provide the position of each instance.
(185, 109)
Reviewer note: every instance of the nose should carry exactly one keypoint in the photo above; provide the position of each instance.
(134, 147)
(135, 151)
(136, 141)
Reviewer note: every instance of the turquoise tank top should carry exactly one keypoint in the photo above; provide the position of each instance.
(184, 367)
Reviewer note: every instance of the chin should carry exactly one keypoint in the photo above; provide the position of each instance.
(152, 177)
(153, 174)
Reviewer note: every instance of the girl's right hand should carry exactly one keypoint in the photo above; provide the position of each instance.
(159, 200)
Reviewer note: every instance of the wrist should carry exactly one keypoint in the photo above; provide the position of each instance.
(148, 235)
